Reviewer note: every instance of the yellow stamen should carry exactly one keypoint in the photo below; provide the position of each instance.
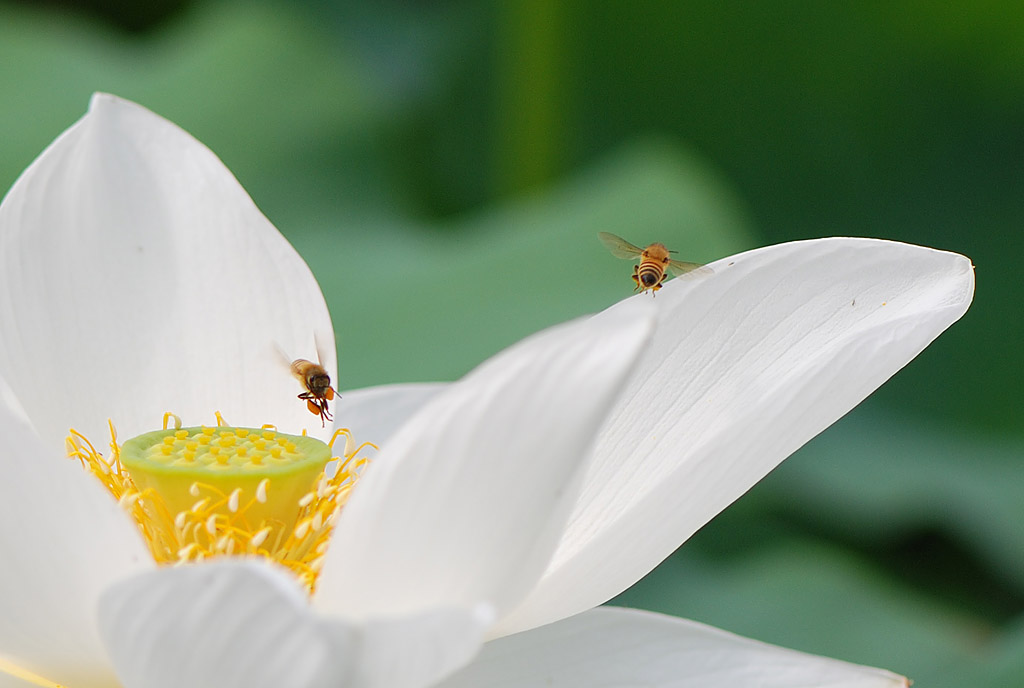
(259, 537)
(261, 491)
(193, 501)
(233, 500)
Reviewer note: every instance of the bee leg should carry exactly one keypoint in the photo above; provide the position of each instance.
(313, 407)
(636, 276)
(325, 414)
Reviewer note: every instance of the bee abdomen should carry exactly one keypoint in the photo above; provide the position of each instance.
(650, 273)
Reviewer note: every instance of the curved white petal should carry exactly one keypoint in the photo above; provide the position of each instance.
(609, 647)
(465, 503)
(245, 624)
(746, 366)
(63, 539)
(375, 413)
(137, 277)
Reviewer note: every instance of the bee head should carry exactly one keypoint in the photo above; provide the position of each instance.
(318, 384)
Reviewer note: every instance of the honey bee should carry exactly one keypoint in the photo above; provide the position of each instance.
(649, 273)
(316, 381)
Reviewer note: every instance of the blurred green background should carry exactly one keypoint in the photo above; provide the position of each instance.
(444, 167)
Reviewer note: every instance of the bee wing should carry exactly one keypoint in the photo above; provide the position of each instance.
(679, 267)
(282, 357)
(285, 361)
(321, 352)
(320, 349)
(619, 247)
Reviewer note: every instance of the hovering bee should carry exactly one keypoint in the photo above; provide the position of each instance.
(316, 381)
(654, 260)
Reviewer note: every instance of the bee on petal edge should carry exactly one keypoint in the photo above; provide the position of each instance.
(655, 260)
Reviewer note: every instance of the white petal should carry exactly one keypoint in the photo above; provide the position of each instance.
(746, 366)
(375, 413)
(137, 277)
(466, 501)
(242, 623)
(624, 647)
(63, 540)
(10, 681)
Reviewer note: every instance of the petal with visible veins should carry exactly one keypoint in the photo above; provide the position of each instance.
(241, 623)
(745, 367)
(466, 501)
(64, 540)
(138, 277)
(610, 647)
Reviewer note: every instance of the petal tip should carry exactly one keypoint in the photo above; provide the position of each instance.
(99, 101)
(106, 107)
(962, 271)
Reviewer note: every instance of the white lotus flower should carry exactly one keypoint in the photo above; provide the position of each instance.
(138, 277)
